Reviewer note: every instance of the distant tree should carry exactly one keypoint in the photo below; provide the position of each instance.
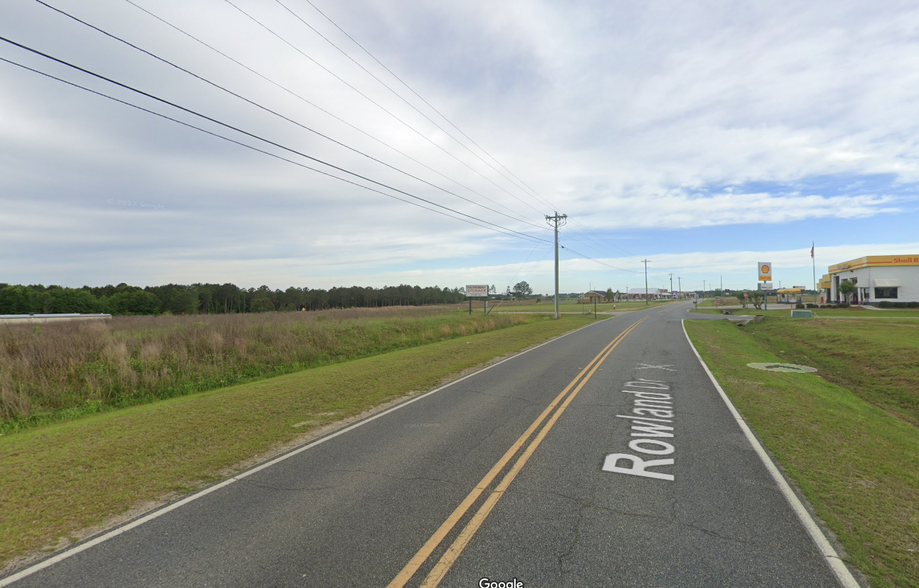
(757, 297)
(609, 294)
(847, 288)
(18, 300)
(176, 298)
(133, 302)
(262, 305)
(64, 300)
(743, 299)
(522, 290)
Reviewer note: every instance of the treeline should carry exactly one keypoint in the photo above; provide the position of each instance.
(210, 298)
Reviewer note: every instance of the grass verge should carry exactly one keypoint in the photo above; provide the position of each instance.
(572, 306)
(58, 372)
(62, 479)
(857, 312)
(851, 449)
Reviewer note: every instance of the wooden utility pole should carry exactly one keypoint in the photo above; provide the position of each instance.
(647, 302)
(556, 221)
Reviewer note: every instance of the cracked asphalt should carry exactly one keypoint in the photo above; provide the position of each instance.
(352, 511)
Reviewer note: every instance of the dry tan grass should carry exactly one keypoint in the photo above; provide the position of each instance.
(82, 366)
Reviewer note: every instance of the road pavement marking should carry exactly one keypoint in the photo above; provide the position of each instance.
(453, 552)
(667, 367)
(80, 547)
(652, 404)
(843, 575)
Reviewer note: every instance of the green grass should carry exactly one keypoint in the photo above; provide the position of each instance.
(60, 372)
(62, 478)
(856, 312)
(573, 306)
(848, 435)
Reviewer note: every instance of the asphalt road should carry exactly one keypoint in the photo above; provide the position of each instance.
(603, 458)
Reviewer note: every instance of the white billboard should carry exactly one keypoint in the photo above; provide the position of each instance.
(477, 291)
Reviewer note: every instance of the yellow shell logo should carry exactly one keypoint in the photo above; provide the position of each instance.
(764, 269)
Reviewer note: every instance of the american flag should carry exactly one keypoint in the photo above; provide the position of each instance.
(812, 250)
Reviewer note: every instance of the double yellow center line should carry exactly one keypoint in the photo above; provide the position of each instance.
(558, 405)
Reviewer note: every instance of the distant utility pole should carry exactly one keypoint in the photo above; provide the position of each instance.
(679, 282)
(556, 221)
(703, 288)
(646, 282)
(671, 285)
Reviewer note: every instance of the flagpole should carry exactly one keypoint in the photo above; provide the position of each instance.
(814, 262)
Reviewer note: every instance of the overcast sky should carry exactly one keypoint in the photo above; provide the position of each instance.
(703, 137)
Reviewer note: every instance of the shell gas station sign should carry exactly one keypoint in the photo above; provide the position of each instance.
(876, 261)
(765, 271)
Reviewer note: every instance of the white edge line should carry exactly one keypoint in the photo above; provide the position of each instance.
(829, 554)
(156, 514)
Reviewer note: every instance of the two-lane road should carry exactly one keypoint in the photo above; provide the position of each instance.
(603, 458)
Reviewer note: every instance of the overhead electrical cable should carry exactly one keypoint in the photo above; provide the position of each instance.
(532, 251)
(240, 143)
(420, 97)
(381, 107)
(598, 239)
(600, 262)
(594, 244)
(343, 52)
(253, 148)
(314, 105)
(365, 50)
(409, 104)
(275, 113)
(259, 138)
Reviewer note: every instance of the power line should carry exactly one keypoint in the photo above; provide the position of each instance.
(420, 97)
(598, 239)
(598, 261)
(314, 105)
(257, 137)
(378, 105)
(241, 144)
(409, 104)
(275, 113)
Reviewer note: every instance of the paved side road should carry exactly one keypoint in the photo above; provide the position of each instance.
(604, 458)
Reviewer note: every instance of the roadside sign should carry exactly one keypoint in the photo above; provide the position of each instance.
(745, 295)
(477, 291)
(765, 271)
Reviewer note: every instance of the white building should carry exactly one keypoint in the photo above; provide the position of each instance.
(878, 278)
(639, 293)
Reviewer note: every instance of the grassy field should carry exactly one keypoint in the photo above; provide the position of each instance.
(848, 435)
(63, 480)
(573, 306)
(852, 312)
(60, 371)
(731, 300)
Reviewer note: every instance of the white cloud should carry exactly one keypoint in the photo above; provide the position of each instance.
(624, 116)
